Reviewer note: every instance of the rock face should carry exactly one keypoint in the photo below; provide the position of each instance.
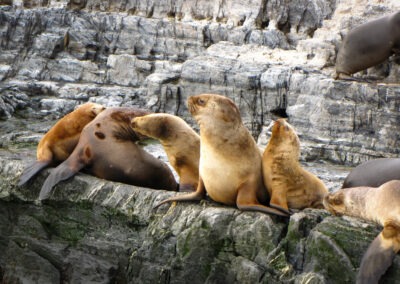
(93, 230)
(273, 58)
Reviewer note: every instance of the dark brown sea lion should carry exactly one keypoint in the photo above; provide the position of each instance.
(373, 173)
(368, 45)
(180, 142)
(59, 142)
(381, 205)
(107, 149)
(289, 185)
(230, 160)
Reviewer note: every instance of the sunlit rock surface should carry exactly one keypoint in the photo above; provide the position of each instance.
(273, 58)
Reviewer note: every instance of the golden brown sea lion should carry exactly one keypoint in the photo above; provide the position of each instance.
(180, 142)
(107, 149)
(368, 45)
(381, 205)
(289, 185)
(230, 161)
(59, 142)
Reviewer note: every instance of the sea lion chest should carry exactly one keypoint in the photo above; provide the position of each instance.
(221, 176)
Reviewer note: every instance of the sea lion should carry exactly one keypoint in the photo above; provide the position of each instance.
(289, 185)
(368, 45)
(59, 142)
(180, 142)
(107, 149)
(373, 173)
(230, 161)
(381, 205)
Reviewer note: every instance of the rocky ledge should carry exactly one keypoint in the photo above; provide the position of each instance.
(93, 230)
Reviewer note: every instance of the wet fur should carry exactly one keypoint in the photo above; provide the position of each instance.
(59, 142)
(107, 149)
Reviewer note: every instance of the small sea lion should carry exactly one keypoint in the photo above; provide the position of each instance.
(368, 45)
(59, 142)
(230, 161)
(289, 185)
(377, 204)
(373, 173)
(107, 149)
(180, 142)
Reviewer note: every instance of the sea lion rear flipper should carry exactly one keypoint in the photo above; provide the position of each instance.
(247, 201)
(380, 254)
(31, 170)
(193, 196)
(62, 172)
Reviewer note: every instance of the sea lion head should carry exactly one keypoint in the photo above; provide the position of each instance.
(335, 202)
(284, 134)
(211, 108)
(92, 108)
(153, 125)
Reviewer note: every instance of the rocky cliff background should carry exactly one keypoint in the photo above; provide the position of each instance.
(273, 58)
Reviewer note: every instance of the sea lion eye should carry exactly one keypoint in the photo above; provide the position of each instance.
(201, 102)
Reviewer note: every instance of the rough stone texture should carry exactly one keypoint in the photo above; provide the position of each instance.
(273, 58)
(92, 230)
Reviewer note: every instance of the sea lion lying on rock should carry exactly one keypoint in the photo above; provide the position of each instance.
(59, 142)
(180, 142)
(373, 173)
(289, 185)
(381, 205)
(107, 149)
(368, 45)
(230, 161)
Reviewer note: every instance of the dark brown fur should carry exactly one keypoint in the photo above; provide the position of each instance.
(113, 155)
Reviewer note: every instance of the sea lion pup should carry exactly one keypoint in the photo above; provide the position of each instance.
(288, 184)
(59, 142)
(107, 149)
(381, 205)
(373, 173)
(368, 45)
(180, 142)
(230, 161)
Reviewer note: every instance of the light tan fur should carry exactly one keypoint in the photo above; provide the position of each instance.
(289, 185)
(381, 205)
(230, 161)
(180, 142)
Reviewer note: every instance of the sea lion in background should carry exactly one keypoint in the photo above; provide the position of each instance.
(59, 142)
(107, 149)
(373, 173)
(230, 161)
(289, 185)
(381, 205)
(368, 45)
(180, 142)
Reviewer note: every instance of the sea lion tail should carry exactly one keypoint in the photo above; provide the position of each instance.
(31, 170)
(380, 254)
(62, 172)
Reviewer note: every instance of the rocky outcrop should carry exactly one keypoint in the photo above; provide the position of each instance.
(273, 58)
(92, 230)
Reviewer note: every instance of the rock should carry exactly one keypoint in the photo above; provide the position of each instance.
(92, 230)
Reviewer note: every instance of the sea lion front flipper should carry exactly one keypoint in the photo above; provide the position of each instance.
(246, 200)
(380, 254)
(64, 171)
(193, 196)
(31, 170)
(279, 198)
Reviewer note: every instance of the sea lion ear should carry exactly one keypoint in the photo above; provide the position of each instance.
(338, 198)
